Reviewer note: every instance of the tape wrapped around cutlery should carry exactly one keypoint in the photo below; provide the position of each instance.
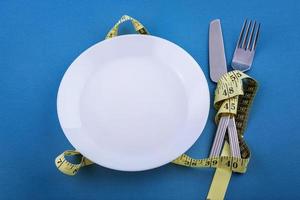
(234, 95)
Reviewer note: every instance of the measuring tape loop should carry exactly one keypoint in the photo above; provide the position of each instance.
(233, 96)
(67, 167)
(139, 28)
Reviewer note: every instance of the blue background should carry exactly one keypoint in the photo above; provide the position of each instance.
(39, 40)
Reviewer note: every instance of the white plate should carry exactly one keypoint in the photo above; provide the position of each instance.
(133, 102)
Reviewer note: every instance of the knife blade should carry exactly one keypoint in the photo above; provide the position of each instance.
(217, 60)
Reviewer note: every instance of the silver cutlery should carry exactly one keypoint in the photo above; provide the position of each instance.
(218, 67)
(242, 60)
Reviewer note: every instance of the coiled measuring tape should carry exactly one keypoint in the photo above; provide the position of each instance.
(234, 95)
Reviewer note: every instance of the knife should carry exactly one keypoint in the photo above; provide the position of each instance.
(218, 67)
(217, 60)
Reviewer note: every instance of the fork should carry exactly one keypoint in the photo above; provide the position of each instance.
(242, 60)
(246, 46)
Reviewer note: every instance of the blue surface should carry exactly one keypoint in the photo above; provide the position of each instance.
(39, 40)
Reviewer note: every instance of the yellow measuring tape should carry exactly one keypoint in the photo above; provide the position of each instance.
(136, 24)
(233, 96)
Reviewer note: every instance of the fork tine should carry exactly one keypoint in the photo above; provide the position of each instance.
(251, 36)
(248, 26)
(238, 45)
(255, 38)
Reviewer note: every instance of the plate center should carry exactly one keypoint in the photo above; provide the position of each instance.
(140, 100)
